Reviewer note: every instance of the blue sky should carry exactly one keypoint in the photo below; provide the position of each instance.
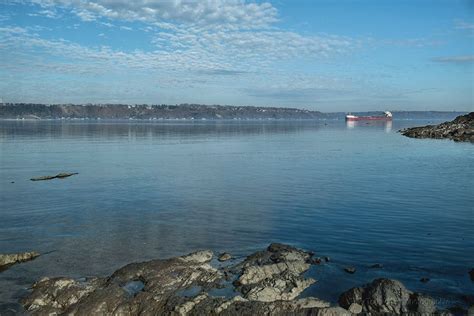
(321, 55)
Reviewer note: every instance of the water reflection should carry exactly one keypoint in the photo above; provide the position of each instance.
(144, 129)
(387, 125)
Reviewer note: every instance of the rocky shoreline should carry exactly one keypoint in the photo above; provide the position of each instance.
(268, 282)
(461, 129)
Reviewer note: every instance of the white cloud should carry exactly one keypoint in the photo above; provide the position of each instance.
(462, 25)
(234, 12)
(250, 48)
(213, 62)
(230, 47)
(466, 27)
(107, 24)
(4, 17)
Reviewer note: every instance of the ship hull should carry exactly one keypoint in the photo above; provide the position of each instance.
(369, 118)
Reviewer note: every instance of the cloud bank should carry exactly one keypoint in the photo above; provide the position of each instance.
(210, 51)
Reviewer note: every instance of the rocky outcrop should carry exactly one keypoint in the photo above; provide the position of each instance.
(385, 296)
(58, 176)
(268, 282)
(461, 129)
(7, 260)
(273, 274)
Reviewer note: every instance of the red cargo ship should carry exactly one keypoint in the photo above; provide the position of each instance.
(386, 117)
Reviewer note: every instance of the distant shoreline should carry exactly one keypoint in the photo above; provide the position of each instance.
(197, 121)
(187, 112)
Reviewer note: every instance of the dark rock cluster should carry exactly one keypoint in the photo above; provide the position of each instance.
(268, 282)
(461, 129)
(385, 296)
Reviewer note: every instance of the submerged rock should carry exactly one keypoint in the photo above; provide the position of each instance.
(315, 261)
(9, 259)
(224, 257)
(387, 296)
(424, 280)
(350, 270)
(471, 274)
(377, 266)
(58, 176)
(461, 129)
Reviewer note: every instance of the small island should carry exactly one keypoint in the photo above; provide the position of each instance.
(461, 129)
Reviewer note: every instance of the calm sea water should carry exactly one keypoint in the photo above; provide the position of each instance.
(359, 194)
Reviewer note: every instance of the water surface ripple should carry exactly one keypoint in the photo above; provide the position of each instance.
(361, 195)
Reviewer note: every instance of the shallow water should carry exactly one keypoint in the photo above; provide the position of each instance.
(359, 194)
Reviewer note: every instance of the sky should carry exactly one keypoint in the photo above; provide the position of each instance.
(325, 55)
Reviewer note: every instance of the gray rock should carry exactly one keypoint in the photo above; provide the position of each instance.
(224, 257)
(9, 259)
(201, 256)
(354, 295)
(162, 280)
(355, 308)
(276, 288)
(255, 274)
(275, 253)
(273, 274)
(387, 296)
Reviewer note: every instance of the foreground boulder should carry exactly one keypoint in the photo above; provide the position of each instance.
(7, 260)
(461, 129)
(387, 296)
